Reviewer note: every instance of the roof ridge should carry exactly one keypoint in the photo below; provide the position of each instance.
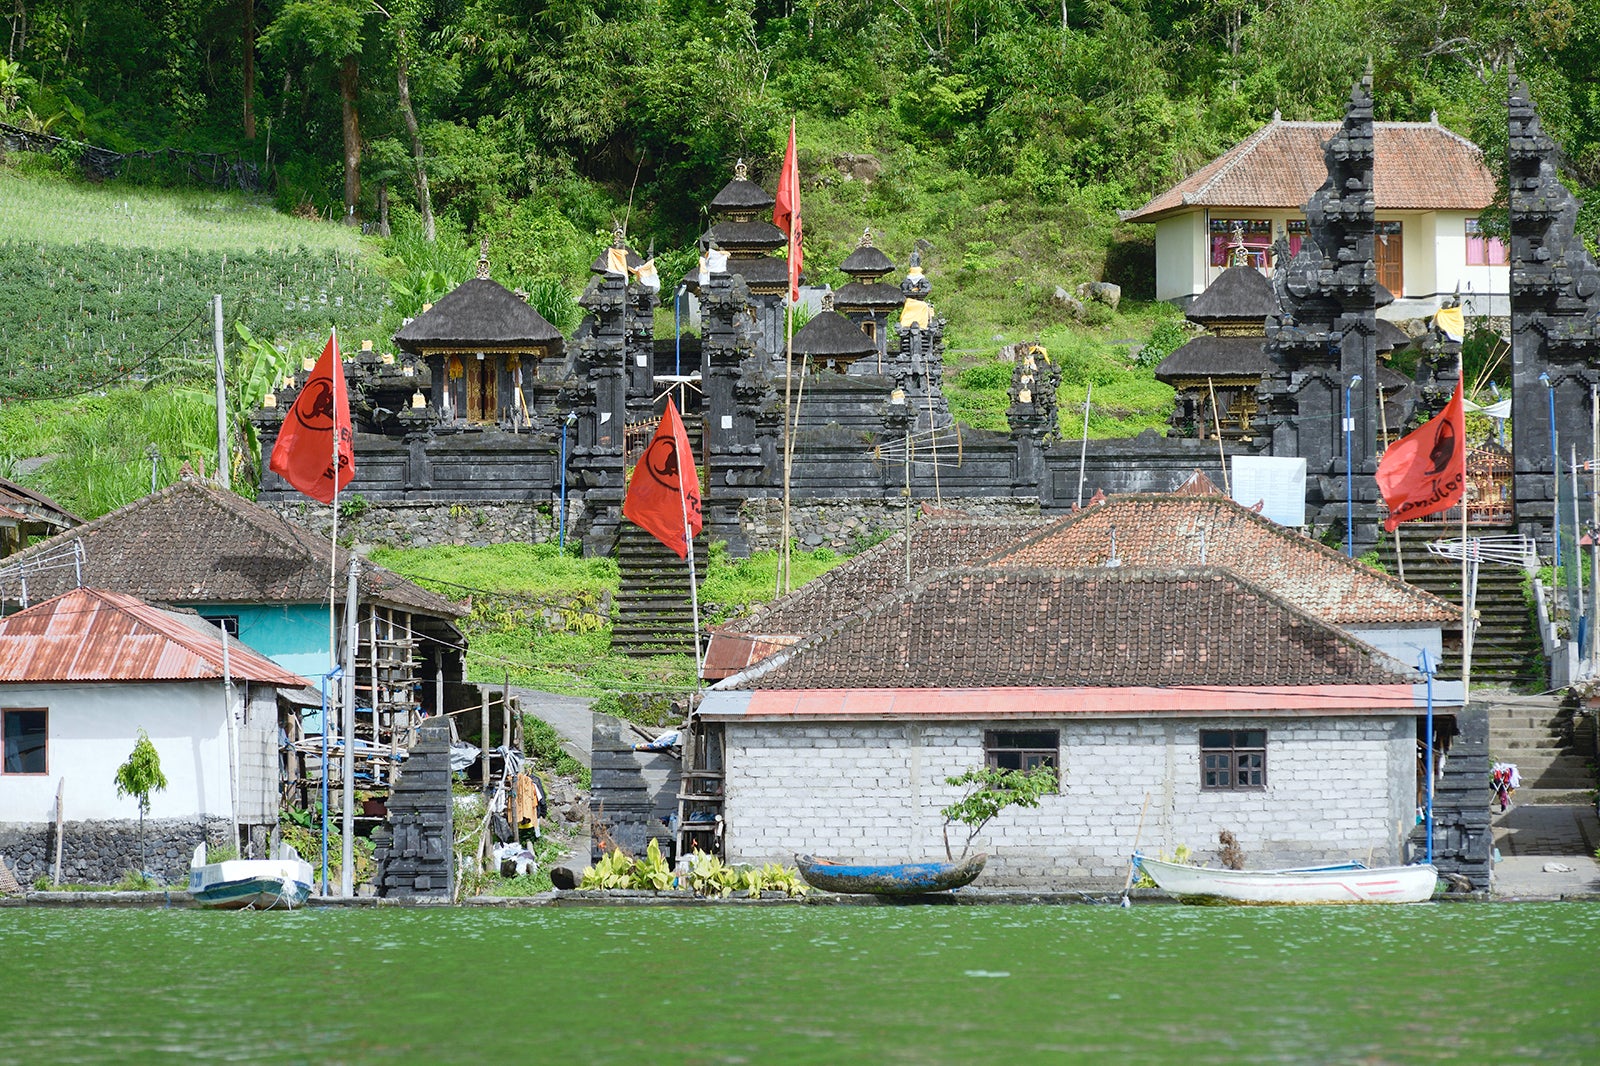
(93, 524)
(1234, 157)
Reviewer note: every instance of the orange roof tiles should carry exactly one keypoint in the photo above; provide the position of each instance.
(1417, 165)
(1173, 531)
(992, 626)
(95, 635)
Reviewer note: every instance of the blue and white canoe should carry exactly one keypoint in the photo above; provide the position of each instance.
(281, 883)
(1339, 883)
(891, 879)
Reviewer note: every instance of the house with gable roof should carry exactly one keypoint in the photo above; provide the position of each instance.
(1429, 185)
(194, 545)
(26, 515)
(1228, 706)
(80, 675)
(266, 580)
(913, 682)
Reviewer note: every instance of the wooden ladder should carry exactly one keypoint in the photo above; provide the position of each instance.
(700, 794)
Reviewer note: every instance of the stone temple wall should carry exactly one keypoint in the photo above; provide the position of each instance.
(102, 852)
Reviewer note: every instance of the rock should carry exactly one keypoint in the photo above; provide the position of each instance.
(862, 168)
(1067, 302)
(1106, 293)
(565, 877)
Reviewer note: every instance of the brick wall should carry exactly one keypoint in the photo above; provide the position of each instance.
(1338, 788)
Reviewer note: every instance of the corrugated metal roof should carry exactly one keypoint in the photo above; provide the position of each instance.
(95, 635)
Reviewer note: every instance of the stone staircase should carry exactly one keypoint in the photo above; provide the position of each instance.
(1553, 748)
(652, 614)
(1506, 650)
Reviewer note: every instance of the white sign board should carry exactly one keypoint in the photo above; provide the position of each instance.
(1278, 484)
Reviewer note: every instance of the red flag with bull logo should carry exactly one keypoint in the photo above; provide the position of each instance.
(304, 453)
(664, 495)
(1425, 471)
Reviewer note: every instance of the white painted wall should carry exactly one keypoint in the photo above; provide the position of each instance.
(1403, 645)
(1338, 788)
(1434, 260)
(92, 730)
(1180, 256)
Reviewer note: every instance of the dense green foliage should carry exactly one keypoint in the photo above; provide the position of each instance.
(536, 125)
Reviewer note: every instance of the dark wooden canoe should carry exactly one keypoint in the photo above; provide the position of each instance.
(904, 879)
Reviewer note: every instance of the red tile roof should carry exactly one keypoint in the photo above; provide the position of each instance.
(1416, 165)
(1111, 626)
(94, 635)
(942, 541)
(1171, 530)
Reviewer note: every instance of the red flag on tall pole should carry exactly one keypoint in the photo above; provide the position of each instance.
(786, 212)
(304, 453)
(1425, 471)
(664, 496)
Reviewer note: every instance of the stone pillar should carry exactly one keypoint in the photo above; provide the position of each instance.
(595, 457)
(416, 850)
(639, 347)
(1555, 322)
(739, 458)
(1326, 334)
(1034, 418)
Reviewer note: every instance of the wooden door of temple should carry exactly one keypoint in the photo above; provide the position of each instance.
(1388, 257)
(483, 401)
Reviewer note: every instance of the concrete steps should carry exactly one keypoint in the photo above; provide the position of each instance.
(1506, 649)
(653, 614)
(1551, 746)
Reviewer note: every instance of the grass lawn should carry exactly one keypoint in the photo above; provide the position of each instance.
(54, 209)
(579, 660)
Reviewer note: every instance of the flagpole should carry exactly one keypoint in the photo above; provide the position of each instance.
(330, 712)
(1466, 595)
(688, 541)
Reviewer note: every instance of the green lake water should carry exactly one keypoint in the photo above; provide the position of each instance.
(1461, 983)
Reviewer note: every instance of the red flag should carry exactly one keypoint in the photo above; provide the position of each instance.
(786, 212)
(664, 494)
(1425, 471)
(303, 455)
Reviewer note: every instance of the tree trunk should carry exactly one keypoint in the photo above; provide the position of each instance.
(420, 177)
(383, 209)
(349, 80)
(249, 69)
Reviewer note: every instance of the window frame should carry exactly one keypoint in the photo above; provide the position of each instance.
(1257, 241)
(5, 721)
(1238, 745)
(1042, 753)
(1483, 250)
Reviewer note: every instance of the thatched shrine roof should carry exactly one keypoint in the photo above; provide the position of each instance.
(480, 313)
(1238, 292)
(1215, 357)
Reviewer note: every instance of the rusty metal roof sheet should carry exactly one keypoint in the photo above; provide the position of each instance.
(95, 635)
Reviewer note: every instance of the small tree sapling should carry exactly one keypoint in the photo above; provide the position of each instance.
(138, 777)
(989, 791)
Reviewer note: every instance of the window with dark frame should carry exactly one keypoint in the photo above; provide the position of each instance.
(1022, 749)
(1233, 758)
(228, 623)
(24, 740)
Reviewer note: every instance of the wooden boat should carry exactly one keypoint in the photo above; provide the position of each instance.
(902, 879)
(1339, 883)
(280, 883)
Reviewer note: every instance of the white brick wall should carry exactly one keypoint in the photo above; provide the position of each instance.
(1337, 788)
